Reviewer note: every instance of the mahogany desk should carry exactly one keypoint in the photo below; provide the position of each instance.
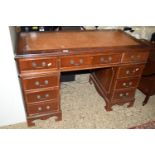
(115, 58)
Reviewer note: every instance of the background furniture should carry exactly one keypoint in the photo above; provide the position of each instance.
(115, 58)
(147, 82)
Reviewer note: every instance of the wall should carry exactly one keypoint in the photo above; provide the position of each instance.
(13, 35)
(144, 32)
(11, 105)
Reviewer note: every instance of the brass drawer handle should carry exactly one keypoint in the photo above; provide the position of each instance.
(42, 98)
(127, 72)
(81, 61)
(136, 70)
(133, 71)
(124, 94)
(43, 64)
(48, 107)
(121, 95)
(102, 59)
(46, 82)
(37, 83)
(132, 57)
(72, 62)
(46, 95)
(130, 83)
(38, 97)
(110, 58)
(40, 108)
(135, 57)
(127, 84)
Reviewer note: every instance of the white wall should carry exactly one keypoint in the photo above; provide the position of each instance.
(11, 104)
(13, 36)
(143, 32)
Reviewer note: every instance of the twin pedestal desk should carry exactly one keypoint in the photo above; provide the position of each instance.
(116, 61)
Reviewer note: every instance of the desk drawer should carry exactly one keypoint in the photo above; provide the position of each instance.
(42, 96)
(124, 94)
(42, 108)
(136, 56)
(126, 83)
(40, 82)
(129, 71)
(75, 61)
(104, 59)
(37, 64)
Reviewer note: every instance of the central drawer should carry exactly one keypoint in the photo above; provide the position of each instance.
(104, 59)
(75, 61)
(40, 82)
(41, 96)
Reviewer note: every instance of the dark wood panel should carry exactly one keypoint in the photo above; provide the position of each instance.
(147, 82)
(105, 78)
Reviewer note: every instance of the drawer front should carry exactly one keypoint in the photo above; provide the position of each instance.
(104, 59)
(37, 64)
(126, 83)
(40, 82)
(42, 108)
(75, 61)
(42, 96)
(135, 57)
(129, 71)
(124, 94)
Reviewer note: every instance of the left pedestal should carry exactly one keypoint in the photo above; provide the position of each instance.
(40, 85)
